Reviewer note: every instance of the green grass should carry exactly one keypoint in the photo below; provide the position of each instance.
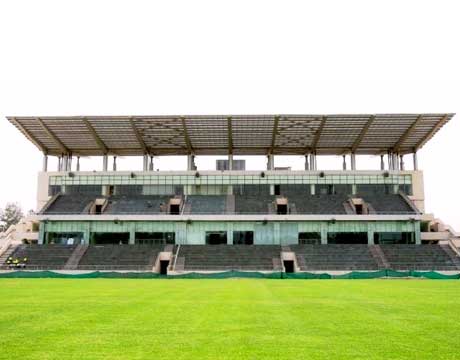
(229, 319)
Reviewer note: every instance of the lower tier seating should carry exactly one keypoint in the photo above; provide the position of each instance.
(52, 256)
(334, 257)
(418, 257)
(120, 257)
(229, 257)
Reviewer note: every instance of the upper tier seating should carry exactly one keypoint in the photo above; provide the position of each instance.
(229, 257)
(120, 257)
(51, 256)
(334, 257)
(319, 204)
(137, 204)
(254, 204)
(388, 203)
(417, 257)
(69, 204)
(206, 204)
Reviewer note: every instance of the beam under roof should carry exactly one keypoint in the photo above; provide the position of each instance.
(186, 136)
(96, 137)
(58, 142)
(318, 133)
(230, 135)
(28, 135)
(362, 134)
(407, 133)
(139, 137)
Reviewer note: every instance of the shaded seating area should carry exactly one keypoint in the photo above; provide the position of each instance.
(50, 256)
(137, 204)
(120, 257)
(229, 257)
(254, 204)
(334, 257)
(206, 204)
(69, 204)
(388, 203)
(419, 257)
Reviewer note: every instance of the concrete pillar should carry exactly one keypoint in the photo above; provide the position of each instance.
(114, 168)
(230, 161)
(78, 163)
(132, 234)
(59, 164)
(323, 233)
(229, 234)
(151, 163)
(382, 163)
(344, 162)
(45, 163)
(415, 161)
(353, 189)
(312, 161)
(64, 163)
(191, 162)
(145, 160)
(270, 162)
(353, 161)
(401, 162)
(370, 234)
(418, 239)
(395, 162)
(390, 165)
(69, 163)
(307, 165)
(312, 189)
(105, 163)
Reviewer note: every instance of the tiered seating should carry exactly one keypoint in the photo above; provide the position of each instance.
(229, 257)
(417, 257)
(388, 203)
(206, 204)
(319, 204)
(136, 204)
(334, 257)
(44, 256)
(120, 257)
(254, 204)
(69, 204)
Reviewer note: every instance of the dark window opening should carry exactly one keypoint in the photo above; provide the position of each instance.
(216, 238)
(359, 209)
(243, 238)
(155, 238)
(347, 238)
(281, 209)
(71, 238)
(98, 209)
(174, 209)
(277, 189)
(394, 238)
(309, 238)
(110, 190)
(110, 238)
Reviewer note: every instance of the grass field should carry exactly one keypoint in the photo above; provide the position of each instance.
(229, 319)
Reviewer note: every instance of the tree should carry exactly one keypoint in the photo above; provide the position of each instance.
(10, 215)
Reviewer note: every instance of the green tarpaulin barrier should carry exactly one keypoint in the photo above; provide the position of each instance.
(229, 274)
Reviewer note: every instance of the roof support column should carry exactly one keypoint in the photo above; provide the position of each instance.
(382, 163)
(230, 161)
(191, 162)
(401, 162)
(395, 162)
(151, 163)
(105, 163)
(78, 163)
(344, 162)
(353, 161)
(307, 165)
(69, 162)
(145, 162)
(59, 164)
(65, 163)
(45, 162)
(270, 162)
(114, 168)
(312, 161)
(415, 161)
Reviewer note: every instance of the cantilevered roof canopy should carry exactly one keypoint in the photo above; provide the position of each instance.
(231, 134)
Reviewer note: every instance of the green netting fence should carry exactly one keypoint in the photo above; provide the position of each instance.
(229, 274)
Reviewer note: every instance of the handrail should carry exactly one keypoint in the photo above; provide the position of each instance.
(175, 257)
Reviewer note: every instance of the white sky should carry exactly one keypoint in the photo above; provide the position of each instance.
(230, 57)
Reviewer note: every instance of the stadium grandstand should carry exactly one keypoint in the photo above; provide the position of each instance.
(232, 218)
